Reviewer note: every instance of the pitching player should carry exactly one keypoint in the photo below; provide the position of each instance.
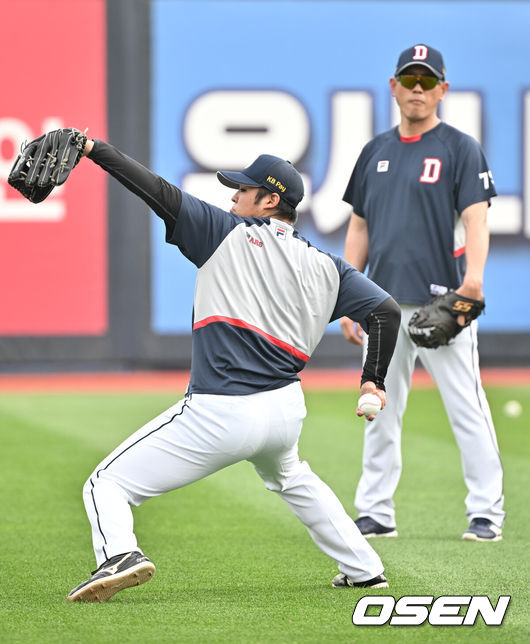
(420, 194)
(263, 299)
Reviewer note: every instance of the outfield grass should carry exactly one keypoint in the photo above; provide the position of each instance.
(233, 565)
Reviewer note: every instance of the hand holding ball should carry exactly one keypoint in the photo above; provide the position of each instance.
(369, 405)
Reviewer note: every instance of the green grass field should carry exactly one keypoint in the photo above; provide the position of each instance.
(233, 565)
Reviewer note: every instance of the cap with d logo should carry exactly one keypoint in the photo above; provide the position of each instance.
(422, 55)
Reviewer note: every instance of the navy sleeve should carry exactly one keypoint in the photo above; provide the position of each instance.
(200, 228)
(358, 296)
(379, 315)
(473, 179)
(354, 194)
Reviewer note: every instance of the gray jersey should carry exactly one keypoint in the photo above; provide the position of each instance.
(263, 297)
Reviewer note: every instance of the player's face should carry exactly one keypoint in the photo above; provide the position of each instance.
(245, 205)
(418, 104)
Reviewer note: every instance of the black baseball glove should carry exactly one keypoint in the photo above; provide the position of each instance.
(46, 162)
(435, 323)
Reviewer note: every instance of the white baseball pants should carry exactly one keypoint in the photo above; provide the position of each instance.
(202, 434)
(455, 371)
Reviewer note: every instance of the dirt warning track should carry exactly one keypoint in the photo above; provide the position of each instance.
(176, 381)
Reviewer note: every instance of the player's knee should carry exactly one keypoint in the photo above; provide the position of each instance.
(270, 479)
(287, 479)
(100, 487)
(92, 486)
(296, 475)
(87, 491)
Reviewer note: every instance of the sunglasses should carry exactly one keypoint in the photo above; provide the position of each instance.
(426, 82)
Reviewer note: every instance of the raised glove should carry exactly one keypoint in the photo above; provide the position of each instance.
(435, 323)
(46, 162)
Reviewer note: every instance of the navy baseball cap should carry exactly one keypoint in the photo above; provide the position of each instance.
(268, 171)
(422, 55)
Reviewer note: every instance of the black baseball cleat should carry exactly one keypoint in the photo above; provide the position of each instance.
(482, 529)
(369, 527)
(342, 580)
(115, 574)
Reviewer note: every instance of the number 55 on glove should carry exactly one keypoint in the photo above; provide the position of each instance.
(436, 323)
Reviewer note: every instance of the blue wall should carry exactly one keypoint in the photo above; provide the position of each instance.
(311, 49)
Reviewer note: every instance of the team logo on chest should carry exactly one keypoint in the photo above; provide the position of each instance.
(431, 170)
(382, 166)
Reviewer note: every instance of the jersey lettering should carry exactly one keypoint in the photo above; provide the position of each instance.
(431, 170)
(487, 178)
(420, 52)
(256, 242)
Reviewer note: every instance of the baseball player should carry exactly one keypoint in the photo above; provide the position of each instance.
(420, 194)
(263, 299)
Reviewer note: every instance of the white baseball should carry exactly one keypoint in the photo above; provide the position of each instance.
(369, 404)
(513, 409)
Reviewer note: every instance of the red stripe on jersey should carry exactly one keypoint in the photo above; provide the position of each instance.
(459, 251)
(245, 325)
(410, 139)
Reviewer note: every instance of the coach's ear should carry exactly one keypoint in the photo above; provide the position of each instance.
(444, 86)
(393, 83)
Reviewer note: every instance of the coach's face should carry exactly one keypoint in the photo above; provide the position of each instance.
(245, 204)
(418, 104)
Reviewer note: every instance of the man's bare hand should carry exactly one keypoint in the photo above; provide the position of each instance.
(351, 330)
(88, 147)
(370, 387)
